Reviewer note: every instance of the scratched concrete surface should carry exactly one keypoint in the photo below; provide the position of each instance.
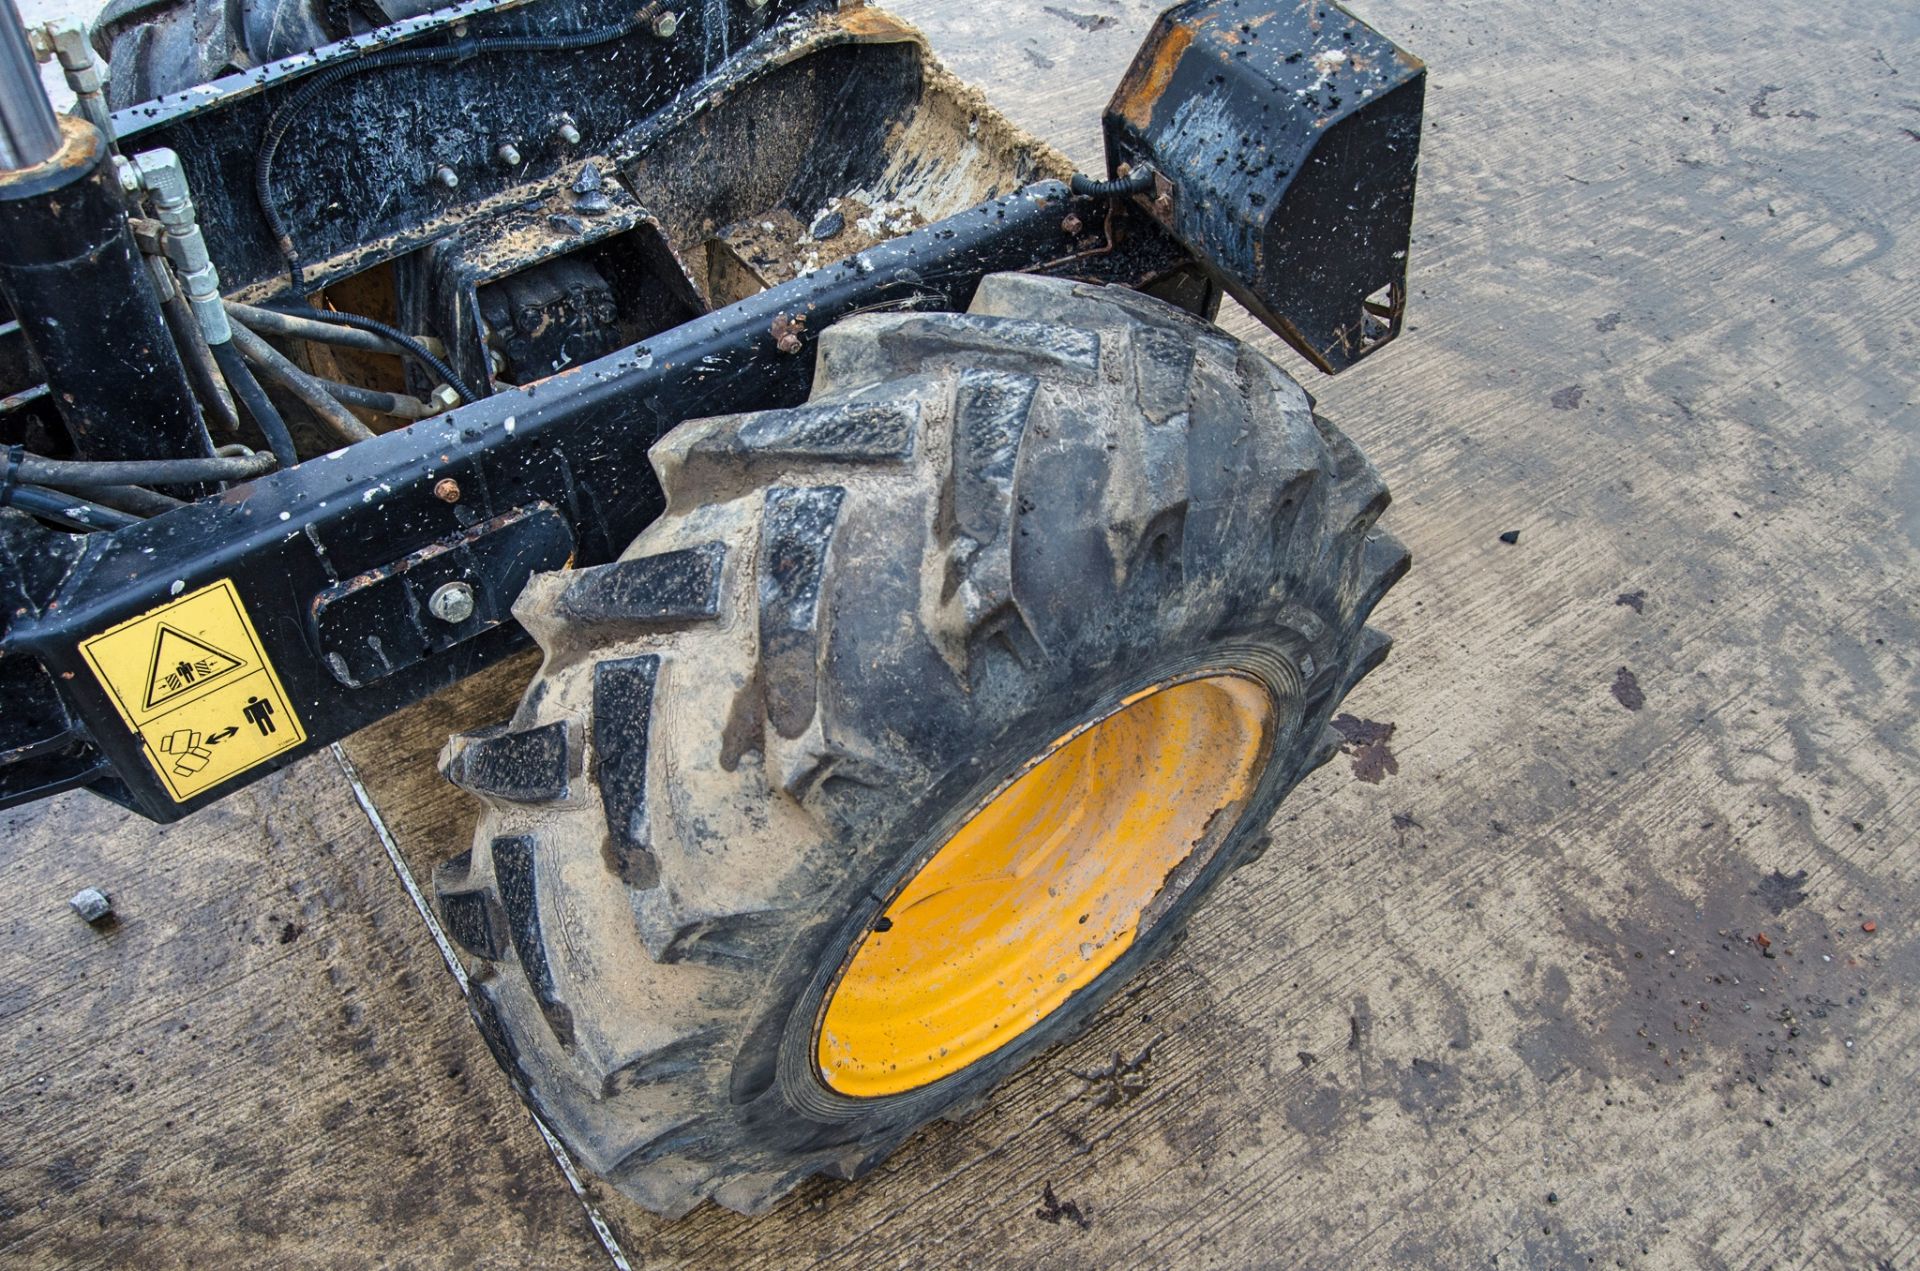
(1499, 992)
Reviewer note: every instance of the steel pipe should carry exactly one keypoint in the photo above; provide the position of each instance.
(29, 133)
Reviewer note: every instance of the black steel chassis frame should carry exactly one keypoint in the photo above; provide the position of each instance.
(353, 544)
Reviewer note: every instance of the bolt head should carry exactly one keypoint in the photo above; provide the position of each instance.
(128, 176)
(665, 24)
(443, 398)
(1071, 225)
(451, 602)
(447, 490)
(446, 177)
(568, 134)
(508, 154)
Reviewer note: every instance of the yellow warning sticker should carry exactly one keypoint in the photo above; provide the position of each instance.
(192, 680)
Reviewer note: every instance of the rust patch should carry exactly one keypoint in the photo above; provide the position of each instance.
(1143, 89)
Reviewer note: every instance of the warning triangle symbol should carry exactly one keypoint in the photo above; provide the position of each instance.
(182, 663)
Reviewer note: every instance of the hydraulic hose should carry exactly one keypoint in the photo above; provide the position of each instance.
(432, 361)
(254, 398)
(273, 322)
(130, 498)
(89, 472)
(198, 356)
(65, 509)
(311, 392)
(398, 405)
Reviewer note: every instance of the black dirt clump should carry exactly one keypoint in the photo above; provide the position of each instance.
(1626, 690)
(1053, 1210)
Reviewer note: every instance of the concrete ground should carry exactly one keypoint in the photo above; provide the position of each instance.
(1604, 950)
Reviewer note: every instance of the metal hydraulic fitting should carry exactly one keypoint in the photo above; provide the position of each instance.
(66, 39)
(159, 174)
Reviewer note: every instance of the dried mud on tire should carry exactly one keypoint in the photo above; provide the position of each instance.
(855, 619)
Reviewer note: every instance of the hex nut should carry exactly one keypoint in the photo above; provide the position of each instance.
(447, 490)
(445, 397)
(665, 24)
(451, 602)
(92, 904)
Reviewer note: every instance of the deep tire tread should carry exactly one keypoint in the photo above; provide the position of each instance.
(938, 483)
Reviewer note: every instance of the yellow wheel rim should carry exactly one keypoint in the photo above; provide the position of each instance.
(1045, 886)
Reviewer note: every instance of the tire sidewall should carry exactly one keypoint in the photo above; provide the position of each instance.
(777, 1091)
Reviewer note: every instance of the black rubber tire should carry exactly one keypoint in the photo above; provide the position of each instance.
(856, 618)
(156, 47)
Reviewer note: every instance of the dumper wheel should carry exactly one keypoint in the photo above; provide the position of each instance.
(920, 721)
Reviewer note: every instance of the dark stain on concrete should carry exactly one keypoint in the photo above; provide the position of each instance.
(1568, 398)
(1085, 21)
(1053, 1210)
(1313, 1108)
(1626, 690)
(1780, 892)
(1425, 1086)
(1634, 600)
(1119, 1081)
(1677, 987)
(1365, 742)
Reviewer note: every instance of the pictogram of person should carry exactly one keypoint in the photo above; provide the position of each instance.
(260, 714)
